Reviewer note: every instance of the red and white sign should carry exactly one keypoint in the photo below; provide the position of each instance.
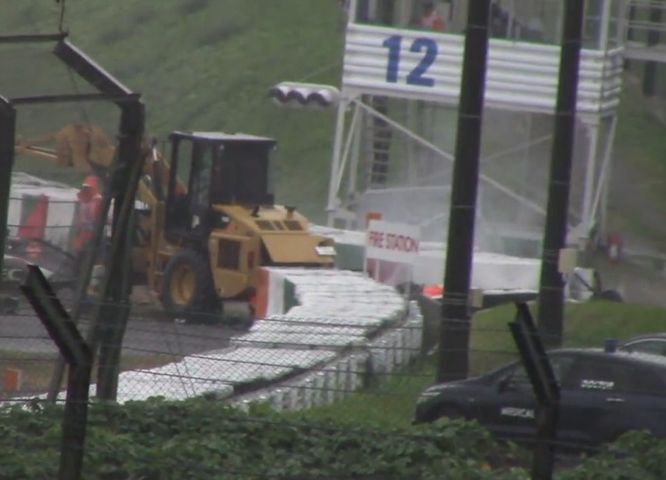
(394, 242)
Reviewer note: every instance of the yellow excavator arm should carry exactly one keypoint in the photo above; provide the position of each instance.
(81, 147)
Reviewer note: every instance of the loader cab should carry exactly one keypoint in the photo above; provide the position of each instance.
(210, 168)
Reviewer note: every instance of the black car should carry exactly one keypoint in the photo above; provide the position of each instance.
(602, 396)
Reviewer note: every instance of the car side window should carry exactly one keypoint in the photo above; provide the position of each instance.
(518, 377)
(561, 365)
(647, 346)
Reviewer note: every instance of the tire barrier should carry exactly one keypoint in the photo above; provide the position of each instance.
(342, 328)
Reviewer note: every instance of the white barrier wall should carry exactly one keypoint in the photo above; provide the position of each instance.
(344, 326)
(490, 271)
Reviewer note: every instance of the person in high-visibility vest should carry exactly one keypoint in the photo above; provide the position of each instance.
(88, 214)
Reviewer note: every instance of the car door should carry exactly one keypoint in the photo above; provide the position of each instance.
(515, 409)
(508, 407)
(510, 411)
(602, 398)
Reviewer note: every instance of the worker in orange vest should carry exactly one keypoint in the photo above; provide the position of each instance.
(90, 204)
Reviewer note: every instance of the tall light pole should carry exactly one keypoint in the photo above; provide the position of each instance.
(454, 333)
(551, 289)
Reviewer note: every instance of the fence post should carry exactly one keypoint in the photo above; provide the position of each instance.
(109, 329)
(7, 132)
(546, 390)
(77, 354)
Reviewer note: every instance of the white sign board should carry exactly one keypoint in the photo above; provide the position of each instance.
(394, 242)
(521, 75)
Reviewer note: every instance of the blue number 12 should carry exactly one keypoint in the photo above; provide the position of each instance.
(416, 76)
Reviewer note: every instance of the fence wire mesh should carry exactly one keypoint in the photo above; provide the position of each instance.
(282, 362)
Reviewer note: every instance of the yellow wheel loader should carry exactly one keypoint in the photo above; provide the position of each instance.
(207, 222)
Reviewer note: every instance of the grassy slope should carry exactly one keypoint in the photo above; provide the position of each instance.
(205, 65)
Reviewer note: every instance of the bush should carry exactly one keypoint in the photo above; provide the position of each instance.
(204, 439)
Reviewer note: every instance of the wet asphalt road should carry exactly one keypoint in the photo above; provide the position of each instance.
(148, 334)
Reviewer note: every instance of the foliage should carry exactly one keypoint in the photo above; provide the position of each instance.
(200, 438)
(634, 456)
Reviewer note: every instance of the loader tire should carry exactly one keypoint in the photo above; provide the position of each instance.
(187, 291)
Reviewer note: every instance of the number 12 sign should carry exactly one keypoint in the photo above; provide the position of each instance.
(418, 75)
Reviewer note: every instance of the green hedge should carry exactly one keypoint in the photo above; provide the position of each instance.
(201, 439)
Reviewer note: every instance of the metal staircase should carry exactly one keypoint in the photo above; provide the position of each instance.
(378, 144)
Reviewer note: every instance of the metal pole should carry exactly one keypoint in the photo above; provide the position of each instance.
(348, 145)
(115, 310)
(604, 179)
(454, 334)
(546, 391)
(631, 15)
(79, 357)
(526, 167)
(353, 7)
(356, 153)
(604, 24)
(592, 146)
(7, 135)
(621, 13)
(551, 291)
(332, 204)
(412, 150)
(650, 71)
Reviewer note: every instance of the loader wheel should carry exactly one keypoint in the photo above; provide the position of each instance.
(187, 289)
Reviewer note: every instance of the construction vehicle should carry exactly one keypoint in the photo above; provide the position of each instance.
(206, 220)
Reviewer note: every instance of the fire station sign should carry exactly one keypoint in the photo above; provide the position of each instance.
(393, 242)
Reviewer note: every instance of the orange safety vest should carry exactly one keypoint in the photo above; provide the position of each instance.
(87, 217)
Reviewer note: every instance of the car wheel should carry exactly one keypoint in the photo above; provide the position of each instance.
(450, 412)
(609, 296)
